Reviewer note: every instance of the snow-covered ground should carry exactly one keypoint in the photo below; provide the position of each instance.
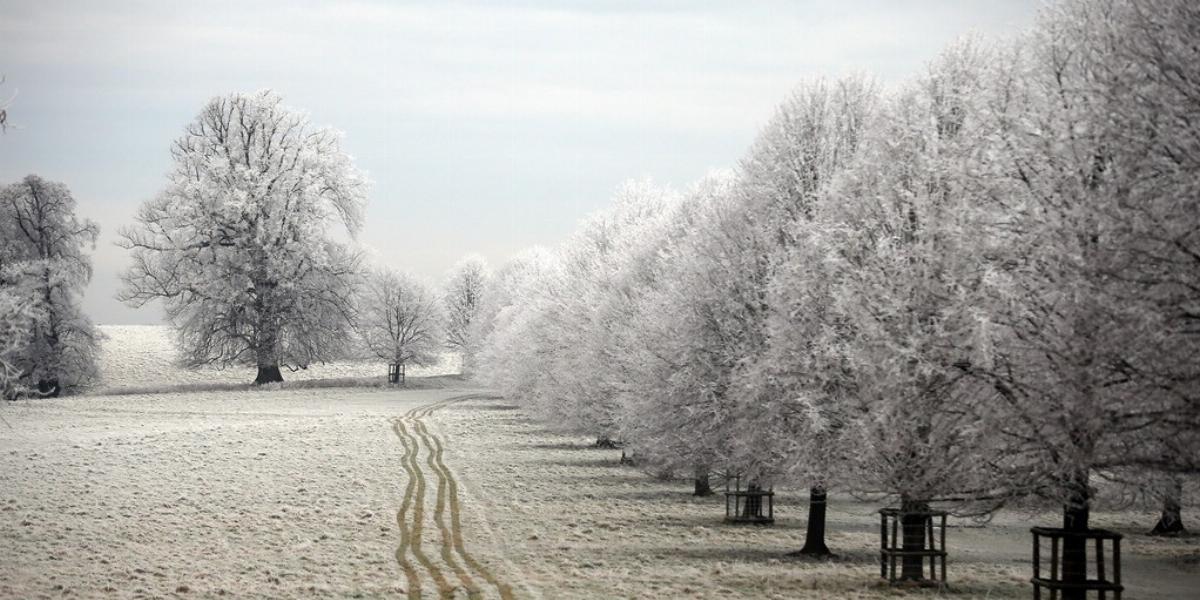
(310, 493)
(144, 356)
(289, 493)
(577, 524)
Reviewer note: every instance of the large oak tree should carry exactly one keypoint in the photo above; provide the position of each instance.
(238, 245)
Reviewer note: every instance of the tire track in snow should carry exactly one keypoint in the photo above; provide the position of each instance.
(411, 530)
(439, 512)
(410, 572)
(446, 500)
(456, 525)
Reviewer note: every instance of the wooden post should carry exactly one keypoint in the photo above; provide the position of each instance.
(1053, 563)
(943, 548)
(1117, 564)
(883, 543)
(1037, 565)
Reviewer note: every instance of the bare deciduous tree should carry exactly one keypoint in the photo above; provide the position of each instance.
(400, 320)
(43, 263)
(238, 245)
(464, 291)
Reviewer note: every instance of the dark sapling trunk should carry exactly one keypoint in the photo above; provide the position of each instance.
(814, 535)
(1074, 556)
(701, 481)
(1170, 522)
(913, 524)
(753, 507)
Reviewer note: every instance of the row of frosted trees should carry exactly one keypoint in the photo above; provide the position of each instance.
(979, 286)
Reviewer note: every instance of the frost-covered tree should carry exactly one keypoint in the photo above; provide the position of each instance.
(814, 135)
(555, 321)
(909, 288)
(238, 246)
(873, 307)
(507, 290)
(517, 349)
(44, 267)
(676, 414)
(15, 316)
(563, 313)
(597, 277)
(400, 320)
(1092, 197)
(463, 297)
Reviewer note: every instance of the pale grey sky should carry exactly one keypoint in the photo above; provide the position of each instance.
(487, 127)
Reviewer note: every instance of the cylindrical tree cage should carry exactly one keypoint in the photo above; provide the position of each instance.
(1098, 568)
(747, 506)
(912, 538)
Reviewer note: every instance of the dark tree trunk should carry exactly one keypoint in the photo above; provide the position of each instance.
(913, 537)
(268, 374)
(702, 487)
(814, 535)
(1074, 557)
(266, 354)
(1171, 520)
(48, 388)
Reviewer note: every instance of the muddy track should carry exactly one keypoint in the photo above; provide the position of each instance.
(417, 440)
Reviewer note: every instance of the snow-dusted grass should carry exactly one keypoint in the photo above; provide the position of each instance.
(143, 358)
(577, 524)
(294, 493)
(265, 493)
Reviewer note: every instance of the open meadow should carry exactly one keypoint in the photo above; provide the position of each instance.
(144, 358)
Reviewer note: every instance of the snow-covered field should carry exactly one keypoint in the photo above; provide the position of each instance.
(290, 493)
(143, 357)
(579, 525)
(311, 492)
